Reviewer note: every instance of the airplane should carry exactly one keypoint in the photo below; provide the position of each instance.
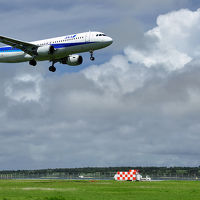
(60, 49)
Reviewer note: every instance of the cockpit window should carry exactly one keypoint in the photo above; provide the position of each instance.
(100, 35)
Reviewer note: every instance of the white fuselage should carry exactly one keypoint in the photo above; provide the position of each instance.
(64, 46)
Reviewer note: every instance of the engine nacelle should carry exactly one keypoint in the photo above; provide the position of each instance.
(46, 50)
(72, 60)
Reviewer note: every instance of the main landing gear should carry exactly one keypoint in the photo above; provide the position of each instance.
(52, 68)
(92, 58)
(33, 62)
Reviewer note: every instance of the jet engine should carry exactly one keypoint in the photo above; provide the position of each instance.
(72, 60)
(46, 50)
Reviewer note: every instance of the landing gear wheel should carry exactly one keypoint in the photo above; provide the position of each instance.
(92, 58)
(52, 69)
(33, 62)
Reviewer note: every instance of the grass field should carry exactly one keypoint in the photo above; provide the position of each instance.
(98, 190)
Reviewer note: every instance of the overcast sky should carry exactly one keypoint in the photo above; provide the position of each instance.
(138, 104)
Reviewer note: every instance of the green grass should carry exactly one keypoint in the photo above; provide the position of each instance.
(98, 190)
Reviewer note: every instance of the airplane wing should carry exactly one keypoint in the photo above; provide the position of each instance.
(28, 48)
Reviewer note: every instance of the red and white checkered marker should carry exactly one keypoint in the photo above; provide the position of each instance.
(132, 175)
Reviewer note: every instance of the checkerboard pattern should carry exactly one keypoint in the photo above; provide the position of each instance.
(126, 176)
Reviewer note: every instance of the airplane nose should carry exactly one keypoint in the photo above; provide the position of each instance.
(109, 40)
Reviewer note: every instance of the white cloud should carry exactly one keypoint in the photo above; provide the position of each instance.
(175, 41)
(170, 46)
(147, 96)
(118, 75)
(24, 88)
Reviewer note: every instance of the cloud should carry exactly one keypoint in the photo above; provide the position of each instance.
(139, 108)
(170, 46)
(158, 83)
(24, 88)
(173, 43)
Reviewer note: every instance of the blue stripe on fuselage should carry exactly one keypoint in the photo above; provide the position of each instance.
(56, 46)
(9, 49)
(62, 45)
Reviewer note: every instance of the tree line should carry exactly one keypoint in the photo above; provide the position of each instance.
(107, 171)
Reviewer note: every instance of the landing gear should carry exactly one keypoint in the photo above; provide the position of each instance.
(92, 58)
(33, 62)
(52, 68)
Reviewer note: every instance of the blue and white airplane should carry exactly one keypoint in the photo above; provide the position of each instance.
(60, 49)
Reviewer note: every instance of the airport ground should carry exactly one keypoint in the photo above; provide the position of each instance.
(98, 190)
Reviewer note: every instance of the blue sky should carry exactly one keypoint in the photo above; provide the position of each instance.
(137, 104)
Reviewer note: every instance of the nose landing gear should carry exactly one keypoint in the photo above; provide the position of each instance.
(92, 58)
